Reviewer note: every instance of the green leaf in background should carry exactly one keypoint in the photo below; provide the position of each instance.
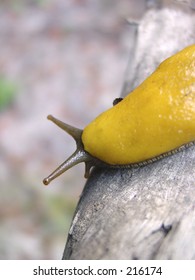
(7, 93)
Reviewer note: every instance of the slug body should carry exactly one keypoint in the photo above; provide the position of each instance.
(155, 119)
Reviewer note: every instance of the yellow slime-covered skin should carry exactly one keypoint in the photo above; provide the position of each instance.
(157, 117)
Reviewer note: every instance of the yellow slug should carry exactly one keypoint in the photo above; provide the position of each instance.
(154, 120)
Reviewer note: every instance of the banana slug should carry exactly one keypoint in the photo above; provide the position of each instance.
(153, 121)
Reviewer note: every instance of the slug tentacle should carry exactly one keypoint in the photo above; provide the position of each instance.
(80, 155)
(72, 131)
(77, 157)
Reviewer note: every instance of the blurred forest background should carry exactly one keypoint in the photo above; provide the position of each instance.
(60, 57)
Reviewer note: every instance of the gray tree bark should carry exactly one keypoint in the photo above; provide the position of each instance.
(146, 212)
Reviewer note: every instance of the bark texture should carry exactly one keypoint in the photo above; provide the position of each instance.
(146, 212)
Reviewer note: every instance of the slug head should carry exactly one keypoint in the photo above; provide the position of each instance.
(80, 155)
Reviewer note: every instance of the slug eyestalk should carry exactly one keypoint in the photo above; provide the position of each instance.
(80, 155)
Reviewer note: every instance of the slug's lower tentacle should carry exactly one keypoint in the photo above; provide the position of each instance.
(77, 157)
